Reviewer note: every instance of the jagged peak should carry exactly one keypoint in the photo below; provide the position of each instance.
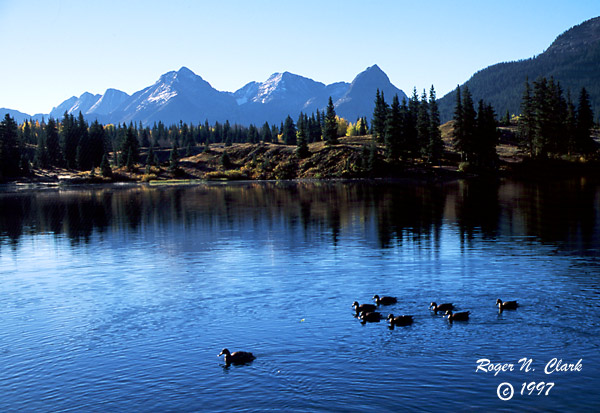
(185, 71)
(375, 67)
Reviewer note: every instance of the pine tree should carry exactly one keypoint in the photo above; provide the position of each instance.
(41, 158)
(314, 128)
(105, 169)
(411, 108)
(226, 161)
(289, 131)
(458, 132)
(585, 123)
(363, 128)
(423, 125)
(130, 149)
(302, 139)
(25, 168)
(330, 129)
(265, 133)
(174, 159)
(435, 146)
(151, 159)
(9, 150)
(380, 114)
(85, 159)
(465, 124)
(69, 140)
(53, 143)
(571, 125)
(542, 102)
(486, 138)
(526, 132)
(96, 143)
(393, 130)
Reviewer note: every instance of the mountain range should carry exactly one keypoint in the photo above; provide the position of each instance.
(573, 59)
(183, 95)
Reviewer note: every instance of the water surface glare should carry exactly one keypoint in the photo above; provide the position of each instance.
(120, 298)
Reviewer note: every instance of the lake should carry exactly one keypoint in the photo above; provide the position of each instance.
(120, 298)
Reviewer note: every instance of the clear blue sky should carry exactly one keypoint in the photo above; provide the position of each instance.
(54, 49)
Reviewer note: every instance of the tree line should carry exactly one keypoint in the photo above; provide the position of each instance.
(551, 124)
(410, 129)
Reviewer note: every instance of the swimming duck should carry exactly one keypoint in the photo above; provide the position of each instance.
(363, 307)
(506, 305)
(462, 316)
(385, 300)
(237, 357)
(401, 320)
(441, 307)
(370, 316)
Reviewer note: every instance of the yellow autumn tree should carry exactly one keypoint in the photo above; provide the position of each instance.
(342, 126)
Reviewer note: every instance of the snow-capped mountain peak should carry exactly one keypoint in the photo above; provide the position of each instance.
(183, 95)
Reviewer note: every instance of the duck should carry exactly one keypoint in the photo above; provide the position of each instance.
(370, 316)
(401, 320)
(462, 316)
(441, 307)
(507, 305)
(237, 357)
(385, 300)
(363, 307)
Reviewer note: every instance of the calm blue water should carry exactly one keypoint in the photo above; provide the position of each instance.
(120, 298)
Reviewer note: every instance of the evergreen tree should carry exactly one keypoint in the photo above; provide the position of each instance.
(363, 128)
(330, 129)
(85, 160)
(543, 118)
(289, 131)
(423, 125)
(465, 124)
(253, 134)
(506, 119)
(151, 159)
(585, 123)
(275, 134)
(486, 133)
(174, 159)
(105, 169)
(372, 161)
(302, 139)
(394, 130)
(571, 125)
(411, 110)
(53, 143)
(96, 143)
(41, 157)
(9, 150)
(380, 114)
(435, 146)
(130, 149)
(28, 136)
(226, 161)
(25, 168)
(314, 128)
(69, 140)
(265, 133)
(527, 121)
(458, 131)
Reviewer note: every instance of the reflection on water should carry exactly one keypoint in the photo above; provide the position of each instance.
(562, 211)
(120, 298)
